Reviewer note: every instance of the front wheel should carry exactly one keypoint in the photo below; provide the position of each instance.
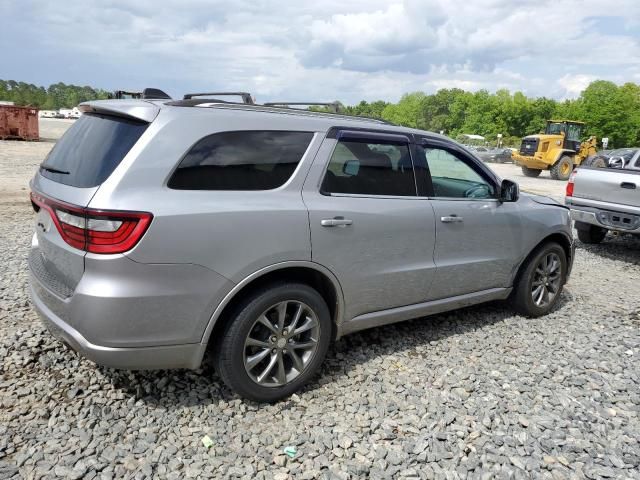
(531, 172)
(562, 168)
(538, 287)
(275, 342)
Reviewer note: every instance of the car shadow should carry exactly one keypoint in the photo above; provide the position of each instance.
(185, 388)
(625, 248)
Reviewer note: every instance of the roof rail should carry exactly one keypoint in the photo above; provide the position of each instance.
(246, 97)
(334, 106)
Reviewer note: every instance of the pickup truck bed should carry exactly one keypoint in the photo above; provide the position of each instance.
(603, 199)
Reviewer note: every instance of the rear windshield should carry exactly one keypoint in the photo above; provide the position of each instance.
(91, 149)
(241, 160)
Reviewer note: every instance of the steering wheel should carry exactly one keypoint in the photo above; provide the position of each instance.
(477, 191)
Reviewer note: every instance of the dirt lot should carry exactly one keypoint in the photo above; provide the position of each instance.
(479, 393)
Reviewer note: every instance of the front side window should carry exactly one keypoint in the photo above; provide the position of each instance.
(367, 167)
(453, 177)
(241, 160)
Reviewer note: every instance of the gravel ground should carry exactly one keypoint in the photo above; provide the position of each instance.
(479, 393)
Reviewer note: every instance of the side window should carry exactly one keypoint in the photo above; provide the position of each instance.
(370, 168)
(452, 177)
(573, 133)
(241, 160)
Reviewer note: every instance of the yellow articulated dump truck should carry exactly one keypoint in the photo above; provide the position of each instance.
(558, 150)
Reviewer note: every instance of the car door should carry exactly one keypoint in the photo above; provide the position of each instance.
(368, 226)
(478, 238)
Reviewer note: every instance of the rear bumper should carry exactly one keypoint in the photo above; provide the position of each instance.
(136, 358)
(126, 314)
(611, 220)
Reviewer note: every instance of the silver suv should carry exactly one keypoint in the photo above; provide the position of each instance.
(165, 229)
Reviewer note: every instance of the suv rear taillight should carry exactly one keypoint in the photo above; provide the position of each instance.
(569, 191)
(95, 231)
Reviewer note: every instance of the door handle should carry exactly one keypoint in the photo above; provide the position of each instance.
(451, 219)
(336, 222)
(629, 185)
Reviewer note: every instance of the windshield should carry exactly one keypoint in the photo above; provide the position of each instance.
(555, 128)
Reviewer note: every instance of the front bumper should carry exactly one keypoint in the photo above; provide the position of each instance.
(529, 161)
(573, 257)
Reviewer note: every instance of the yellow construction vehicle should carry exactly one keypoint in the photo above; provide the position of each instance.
(558, 150)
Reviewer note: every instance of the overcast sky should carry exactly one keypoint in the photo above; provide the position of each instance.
(345, 50)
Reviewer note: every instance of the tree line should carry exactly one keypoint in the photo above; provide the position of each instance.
(608, 110)
(56, 96)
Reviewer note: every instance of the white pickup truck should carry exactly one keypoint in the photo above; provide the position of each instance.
(604, 199)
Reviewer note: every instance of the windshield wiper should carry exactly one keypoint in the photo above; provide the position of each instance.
(53, 170)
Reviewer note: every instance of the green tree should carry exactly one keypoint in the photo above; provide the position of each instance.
(408, 111)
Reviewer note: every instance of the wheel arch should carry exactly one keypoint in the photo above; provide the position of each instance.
(564, 240)
(309, 273)
(561, 152)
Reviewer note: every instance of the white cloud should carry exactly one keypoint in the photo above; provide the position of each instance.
(574, 84)
(286, 49)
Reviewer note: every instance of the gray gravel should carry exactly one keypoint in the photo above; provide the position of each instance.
(479, 393)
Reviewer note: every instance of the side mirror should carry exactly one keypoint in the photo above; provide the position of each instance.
(351, 167)
(509, 191)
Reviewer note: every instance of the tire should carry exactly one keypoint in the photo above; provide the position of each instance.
(237, 363)
(562, 168)
(531, 172)
(590, 234)
(525, 293)
(595, 162)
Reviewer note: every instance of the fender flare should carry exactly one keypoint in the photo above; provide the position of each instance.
(562, 152)
(268, 269)
(567, 237)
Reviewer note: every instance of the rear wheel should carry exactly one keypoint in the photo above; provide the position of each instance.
(540, 283)
(562, 169)
(591, 234)
(531, 172)
(275, 343)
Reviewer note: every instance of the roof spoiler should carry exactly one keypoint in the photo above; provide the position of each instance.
(333, 106)
(129, 108)
(246, 97)
(155, 93)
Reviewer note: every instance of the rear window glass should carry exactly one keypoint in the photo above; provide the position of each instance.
(91, 149)
(370, 168)
(241, 160)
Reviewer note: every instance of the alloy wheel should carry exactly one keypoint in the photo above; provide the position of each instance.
(547, 278)
(281, 343)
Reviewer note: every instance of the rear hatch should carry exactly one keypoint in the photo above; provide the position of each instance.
(67, 179)
(611, 185)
